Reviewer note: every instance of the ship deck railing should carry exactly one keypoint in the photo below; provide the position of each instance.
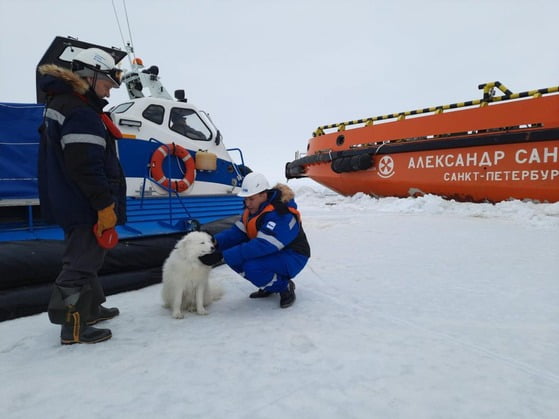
(489, 97)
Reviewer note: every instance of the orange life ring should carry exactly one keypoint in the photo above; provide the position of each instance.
(157, 173)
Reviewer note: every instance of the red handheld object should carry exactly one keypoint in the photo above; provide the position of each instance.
(108, 239)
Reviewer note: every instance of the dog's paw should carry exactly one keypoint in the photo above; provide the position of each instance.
(178, 315)
(202, 311)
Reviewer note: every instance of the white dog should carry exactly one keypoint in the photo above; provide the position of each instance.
(185, 279)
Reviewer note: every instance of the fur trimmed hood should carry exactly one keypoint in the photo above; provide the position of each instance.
(74, 81)
(287, 193)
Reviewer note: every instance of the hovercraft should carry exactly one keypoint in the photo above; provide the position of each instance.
(177, 179)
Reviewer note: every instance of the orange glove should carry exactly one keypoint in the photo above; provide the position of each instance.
(106, 218)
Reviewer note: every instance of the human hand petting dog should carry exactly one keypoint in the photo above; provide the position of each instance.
(211, 259)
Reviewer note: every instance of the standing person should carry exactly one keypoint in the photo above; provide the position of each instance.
(268, 245)
(81, 183)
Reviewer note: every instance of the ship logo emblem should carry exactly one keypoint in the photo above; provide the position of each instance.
(386, 167)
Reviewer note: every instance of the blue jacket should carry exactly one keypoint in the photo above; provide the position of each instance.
(79, 171)
(277, 230)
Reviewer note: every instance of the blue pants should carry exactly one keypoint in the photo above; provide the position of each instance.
(272, 272)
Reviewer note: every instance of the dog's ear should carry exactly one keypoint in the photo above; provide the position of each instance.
(207, 232)
(214, 241)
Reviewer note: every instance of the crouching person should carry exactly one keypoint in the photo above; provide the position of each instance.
(268, 245)
(81, 184)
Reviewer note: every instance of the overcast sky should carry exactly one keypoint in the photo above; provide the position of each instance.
(269, 72)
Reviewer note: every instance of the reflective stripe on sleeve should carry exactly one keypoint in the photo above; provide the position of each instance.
(55, 115)
(240, 226)
(82, 138)
(270, 239)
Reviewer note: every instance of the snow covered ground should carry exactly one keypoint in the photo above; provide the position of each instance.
(409, 308)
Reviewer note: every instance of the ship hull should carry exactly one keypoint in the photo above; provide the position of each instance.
(484, 154)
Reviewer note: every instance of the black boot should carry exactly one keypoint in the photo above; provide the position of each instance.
(287, 297)
(75, 330)
(260, 294)
(102, 313)
(70, 307)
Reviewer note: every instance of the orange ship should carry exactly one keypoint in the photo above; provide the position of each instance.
(492, 149)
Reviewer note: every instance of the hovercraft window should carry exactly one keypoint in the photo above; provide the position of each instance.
(154, 113)
(188, 123)
(123, 107)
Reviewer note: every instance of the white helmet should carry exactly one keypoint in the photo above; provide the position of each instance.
(94, 60)
(253, 183)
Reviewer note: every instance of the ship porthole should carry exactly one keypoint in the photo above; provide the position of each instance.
(340, 140)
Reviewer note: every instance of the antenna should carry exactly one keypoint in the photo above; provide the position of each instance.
(129, 46)
(128, 24)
